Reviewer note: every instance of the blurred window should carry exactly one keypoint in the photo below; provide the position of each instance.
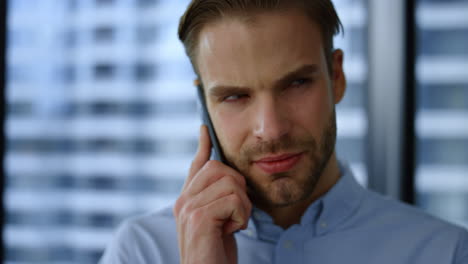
(104, 71)
(104, 34)
(105, 2)
(442, 116)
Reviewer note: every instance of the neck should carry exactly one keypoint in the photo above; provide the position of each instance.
(289, 215)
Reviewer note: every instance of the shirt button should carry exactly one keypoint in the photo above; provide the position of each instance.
(288, 244)
(249, 233)
(258, 216)
(323, 224)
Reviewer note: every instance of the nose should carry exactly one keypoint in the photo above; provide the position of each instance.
(271, 120)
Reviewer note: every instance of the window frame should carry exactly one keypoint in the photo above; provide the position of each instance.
(3, 45)
(391, 139)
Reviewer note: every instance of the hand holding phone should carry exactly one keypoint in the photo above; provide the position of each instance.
(213, 204)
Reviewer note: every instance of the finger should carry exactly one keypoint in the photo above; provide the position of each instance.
(203, 153)
(224, 211)
(238, 217)
(227, 185)
(231, 227)
(211, 172)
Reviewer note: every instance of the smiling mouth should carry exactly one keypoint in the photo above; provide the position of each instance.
(278, 163)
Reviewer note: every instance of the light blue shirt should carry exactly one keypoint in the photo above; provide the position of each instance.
(349, 224)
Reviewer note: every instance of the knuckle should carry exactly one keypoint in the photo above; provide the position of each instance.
(196, 217)
(212, 165)
(239, 182)
(243, 181)
(230, 181)
(235, 200)
(177, 206)
(185, 210)
(182, 208)
(237, 179)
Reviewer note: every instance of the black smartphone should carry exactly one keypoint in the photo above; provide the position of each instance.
(217, 153)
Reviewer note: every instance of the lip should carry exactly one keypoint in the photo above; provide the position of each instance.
(278, 163)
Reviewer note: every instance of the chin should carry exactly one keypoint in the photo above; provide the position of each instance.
(284, 192)
(283, 189)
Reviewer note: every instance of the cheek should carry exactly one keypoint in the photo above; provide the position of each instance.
(311, 110)
(230, 130)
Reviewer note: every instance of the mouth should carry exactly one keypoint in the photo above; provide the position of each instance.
(278, 163)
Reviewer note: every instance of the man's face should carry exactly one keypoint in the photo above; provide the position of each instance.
(271, 100)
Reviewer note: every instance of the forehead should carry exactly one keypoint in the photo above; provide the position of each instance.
(233, 51)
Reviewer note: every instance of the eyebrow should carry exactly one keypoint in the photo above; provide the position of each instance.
(224, 90)
(300, 72)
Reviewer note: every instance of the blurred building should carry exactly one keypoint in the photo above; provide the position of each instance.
(103, 122)
(442, 116)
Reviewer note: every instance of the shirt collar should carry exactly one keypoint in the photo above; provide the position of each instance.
(325, 214)
(340, 202)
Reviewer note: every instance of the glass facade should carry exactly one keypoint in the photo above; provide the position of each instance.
(102, 119)
(442, 116)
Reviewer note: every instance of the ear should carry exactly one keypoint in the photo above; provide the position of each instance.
(338, 76)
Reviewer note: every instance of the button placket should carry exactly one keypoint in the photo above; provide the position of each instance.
(321, 227)
(323, 224)
(288, 247)
(288, 244)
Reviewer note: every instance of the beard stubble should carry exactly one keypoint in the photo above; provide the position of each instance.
(317, 152)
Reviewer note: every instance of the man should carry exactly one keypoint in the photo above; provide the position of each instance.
(271, 80)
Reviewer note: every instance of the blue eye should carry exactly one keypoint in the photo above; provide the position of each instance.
(234, 97)
(300, 82)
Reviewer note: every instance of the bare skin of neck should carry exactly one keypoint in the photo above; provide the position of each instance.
(290, 215)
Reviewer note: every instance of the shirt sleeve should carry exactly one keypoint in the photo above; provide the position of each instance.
(120, 249)
(461, 254)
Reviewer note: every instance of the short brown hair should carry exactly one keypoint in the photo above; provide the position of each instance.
(201, 12)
